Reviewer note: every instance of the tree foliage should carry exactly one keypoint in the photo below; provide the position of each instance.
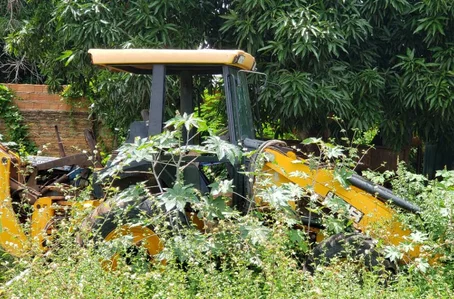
(13, 68)
(57, 35)
(371, 63)
(385, 63)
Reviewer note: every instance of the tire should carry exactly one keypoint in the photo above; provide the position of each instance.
(354, 246)
(109, 222)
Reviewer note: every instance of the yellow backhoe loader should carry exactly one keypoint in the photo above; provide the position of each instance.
(30, 186)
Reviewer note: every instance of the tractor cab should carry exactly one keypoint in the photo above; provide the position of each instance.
(189, 67)
(228, 66)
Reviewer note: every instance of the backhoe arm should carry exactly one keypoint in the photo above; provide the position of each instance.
(368, 211)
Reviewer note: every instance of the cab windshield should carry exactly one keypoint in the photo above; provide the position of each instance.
(238, 105)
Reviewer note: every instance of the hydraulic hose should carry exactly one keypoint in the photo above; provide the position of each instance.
(382, 193)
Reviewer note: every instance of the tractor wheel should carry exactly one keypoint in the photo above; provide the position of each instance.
(109, 222)
(354, 246)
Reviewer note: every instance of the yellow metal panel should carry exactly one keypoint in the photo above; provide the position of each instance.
(15, 161)
(43, 213)
(145, 58)
(141, 236)
(12, 237)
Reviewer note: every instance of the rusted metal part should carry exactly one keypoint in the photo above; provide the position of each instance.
(9, 152)
(31, 181)
(35, 160)
(59, 189)
(61, 148)
(81, 160)
(90, 139)
(31, 194)
(51, 186)
(48, 183)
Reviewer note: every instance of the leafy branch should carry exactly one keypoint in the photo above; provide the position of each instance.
(17, 131)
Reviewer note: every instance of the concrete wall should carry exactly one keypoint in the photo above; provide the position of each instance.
(42, 111)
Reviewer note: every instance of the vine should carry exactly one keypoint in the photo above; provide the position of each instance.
(16, 131)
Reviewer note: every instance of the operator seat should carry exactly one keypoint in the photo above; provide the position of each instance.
(139, 128)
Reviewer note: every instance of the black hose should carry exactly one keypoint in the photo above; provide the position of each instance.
(383, 193)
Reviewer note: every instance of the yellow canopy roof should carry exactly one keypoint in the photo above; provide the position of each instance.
(142, 60)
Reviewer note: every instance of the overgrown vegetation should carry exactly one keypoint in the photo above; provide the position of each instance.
(383, 66)
(259, 254)
(16, 129)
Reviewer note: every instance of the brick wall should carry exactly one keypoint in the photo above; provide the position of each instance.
(42, 111)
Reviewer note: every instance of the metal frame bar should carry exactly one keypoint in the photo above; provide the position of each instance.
(157, 99)
(229, 88)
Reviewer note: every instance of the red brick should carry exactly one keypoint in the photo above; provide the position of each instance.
(23, 94)
(45, 97)
(39, 88)
(21, 87)
(38, 97)
(26, 96)
(24, 105)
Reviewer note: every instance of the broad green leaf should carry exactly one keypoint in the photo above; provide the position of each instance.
(342, 175)
(418, 237)
(334, 224)
(216, 208)
(393, 253)
(258, 234)
(223, 149)
(334, 151)
(221, 188)
(277, 197)
(422, 264)
(298, 237)
(177, 197)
